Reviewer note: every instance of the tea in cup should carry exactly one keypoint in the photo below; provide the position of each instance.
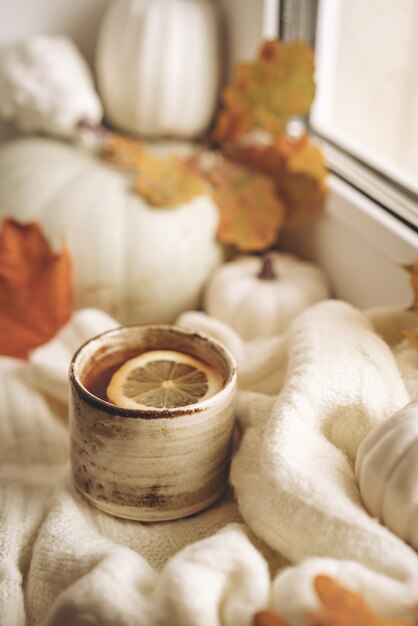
(151, 420)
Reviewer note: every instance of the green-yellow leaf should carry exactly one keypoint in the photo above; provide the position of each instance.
(162, 182)
(121, 151)
(302, 180)
(167, 182)
(297, 167)
(265, 93)
(251, 212)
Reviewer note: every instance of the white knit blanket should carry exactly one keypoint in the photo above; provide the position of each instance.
(307, 400)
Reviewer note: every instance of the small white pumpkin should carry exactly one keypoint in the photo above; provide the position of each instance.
(259, 297)
(138, 263)
(157, 64)
(387, 473)
(46, 85)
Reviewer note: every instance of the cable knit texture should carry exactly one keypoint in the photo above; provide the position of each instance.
(306, 401)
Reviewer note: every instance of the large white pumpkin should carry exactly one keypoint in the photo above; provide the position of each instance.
(157, 65)
(140, 264)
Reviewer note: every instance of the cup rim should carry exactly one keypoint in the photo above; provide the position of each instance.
(154, 412)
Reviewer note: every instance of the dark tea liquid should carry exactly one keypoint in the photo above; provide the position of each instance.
(98, 379)
(171, 379)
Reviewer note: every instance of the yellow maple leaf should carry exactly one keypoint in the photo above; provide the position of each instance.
(265, 93)
(162, 182)
(251, 212)
(297, 167)
(167, 182)
(302, 180)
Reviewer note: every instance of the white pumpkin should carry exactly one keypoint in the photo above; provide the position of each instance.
(157, 65)
(138, 263)
(387, 473)
(259, 297)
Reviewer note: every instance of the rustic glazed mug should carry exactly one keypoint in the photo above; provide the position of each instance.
(151, 464)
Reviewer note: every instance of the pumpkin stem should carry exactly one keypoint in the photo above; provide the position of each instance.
(267, 270)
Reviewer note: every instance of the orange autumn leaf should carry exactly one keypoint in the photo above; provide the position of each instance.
(412, 337)
(35, 289)
(168, 182)
(268, 618)
(341, 607)
(251, 212)
(297, 167)
(265, 93)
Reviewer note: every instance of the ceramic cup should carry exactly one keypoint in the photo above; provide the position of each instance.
(151, 464)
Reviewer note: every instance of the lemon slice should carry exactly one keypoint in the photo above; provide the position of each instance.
(162, 379)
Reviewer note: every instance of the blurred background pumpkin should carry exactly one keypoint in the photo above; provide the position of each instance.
(139, 263)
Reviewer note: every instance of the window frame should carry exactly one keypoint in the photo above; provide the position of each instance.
(387, 185)
(368, 232)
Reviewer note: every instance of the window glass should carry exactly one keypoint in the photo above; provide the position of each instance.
(367, 78)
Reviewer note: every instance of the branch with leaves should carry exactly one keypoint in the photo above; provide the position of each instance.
(259, 187)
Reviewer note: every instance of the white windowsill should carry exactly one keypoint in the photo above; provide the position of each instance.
(361, 247)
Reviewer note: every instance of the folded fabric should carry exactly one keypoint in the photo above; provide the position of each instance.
(306, 401)
(293, 473)
(51, 362)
